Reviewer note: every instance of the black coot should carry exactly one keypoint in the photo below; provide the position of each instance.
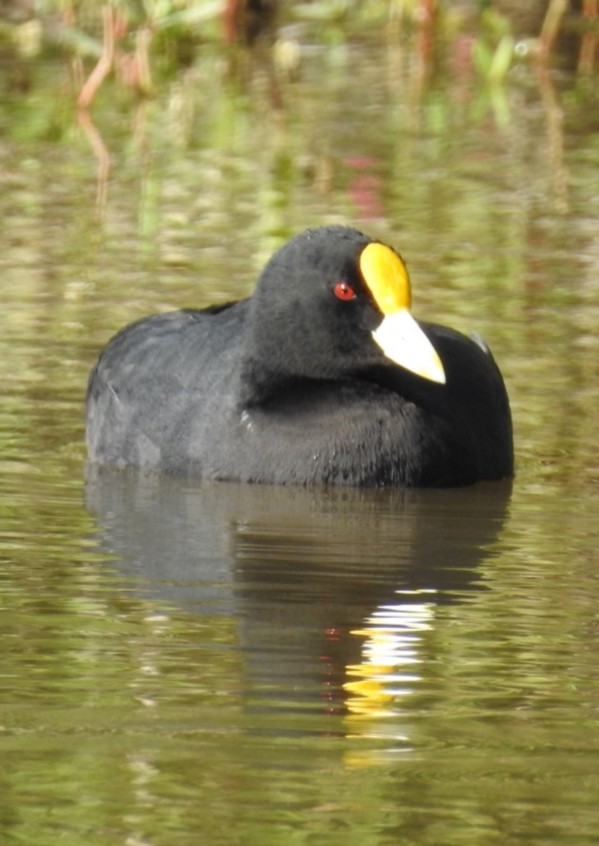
(321, 377)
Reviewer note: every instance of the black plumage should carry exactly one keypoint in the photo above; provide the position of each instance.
(298, 384)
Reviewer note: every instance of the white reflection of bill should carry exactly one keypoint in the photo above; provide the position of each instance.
(388, 671)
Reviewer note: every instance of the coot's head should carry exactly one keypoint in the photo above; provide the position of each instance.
(330, 304)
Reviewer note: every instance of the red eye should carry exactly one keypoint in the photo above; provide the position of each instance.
(344, 291)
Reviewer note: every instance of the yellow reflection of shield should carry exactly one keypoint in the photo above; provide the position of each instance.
(390, 655)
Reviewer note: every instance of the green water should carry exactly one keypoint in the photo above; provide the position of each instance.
(185, 663)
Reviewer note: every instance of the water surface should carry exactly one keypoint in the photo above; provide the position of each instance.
(187, 662)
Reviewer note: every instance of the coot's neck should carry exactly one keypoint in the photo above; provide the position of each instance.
(268, 365)
(423, 393)
(258, 383)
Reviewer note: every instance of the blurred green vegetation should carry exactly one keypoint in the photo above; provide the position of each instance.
(139, 41)
(58, 56)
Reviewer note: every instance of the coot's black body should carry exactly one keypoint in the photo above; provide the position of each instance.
(294, 386)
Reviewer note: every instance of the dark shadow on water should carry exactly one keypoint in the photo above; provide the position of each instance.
(301, 571)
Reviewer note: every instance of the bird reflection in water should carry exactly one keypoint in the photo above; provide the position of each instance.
(391, 637)
(330, 596)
